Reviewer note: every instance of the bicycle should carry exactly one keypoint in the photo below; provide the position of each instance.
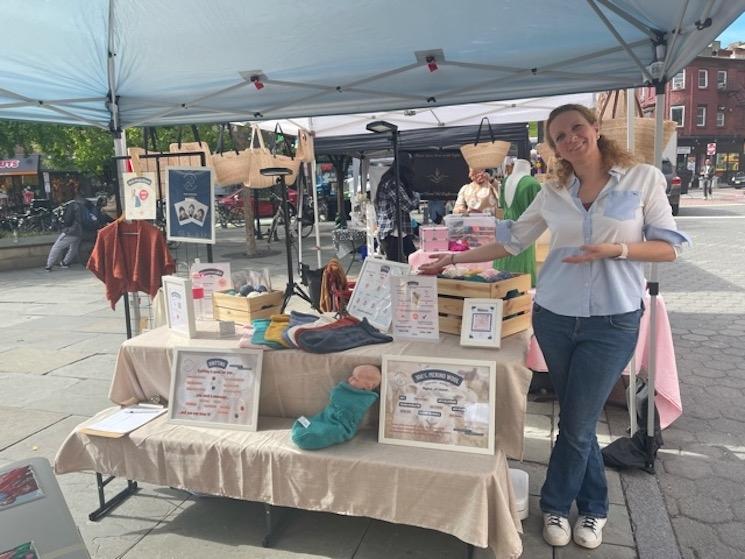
(277, 228)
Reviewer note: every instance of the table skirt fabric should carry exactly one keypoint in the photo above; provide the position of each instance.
(466, 495)
(295, 383)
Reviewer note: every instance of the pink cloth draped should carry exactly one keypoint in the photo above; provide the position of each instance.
(667, 386)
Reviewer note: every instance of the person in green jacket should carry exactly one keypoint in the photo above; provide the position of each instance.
(517, 193)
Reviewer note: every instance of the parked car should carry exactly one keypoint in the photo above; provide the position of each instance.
(673, 185)
(738, 180)
(230, 207)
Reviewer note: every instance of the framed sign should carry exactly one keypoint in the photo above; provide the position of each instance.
(140, 193)
(482, 323)
(215, 388)
(213, 277)
(179, 306)
(190, 202)
(446, 404)
(414, 300)
(371, 298)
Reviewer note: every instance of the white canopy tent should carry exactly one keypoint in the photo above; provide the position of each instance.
(122, 63)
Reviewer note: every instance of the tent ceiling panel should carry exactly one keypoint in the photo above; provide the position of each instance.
(188, 60)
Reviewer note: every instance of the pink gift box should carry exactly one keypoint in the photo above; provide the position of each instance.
(433, 238)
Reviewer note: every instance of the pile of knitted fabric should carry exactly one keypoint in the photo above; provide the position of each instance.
(315, 334)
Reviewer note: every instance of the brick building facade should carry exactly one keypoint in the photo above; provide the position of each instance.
(707, 99)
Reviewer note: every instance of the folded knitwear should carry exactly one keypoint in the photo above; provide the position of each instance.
(323, 320)
(260, 325)
(343, 334)
(297, 319)
(277, 325)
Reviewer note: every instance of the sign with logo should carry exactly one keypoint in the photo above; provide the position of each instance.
(684, 150)
(439, 175)
(711, 149)
(190, 203)
(139, 195)
(28, 165)
(213, 277)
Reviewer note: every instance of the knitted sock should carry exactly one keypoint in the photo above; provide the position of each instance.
(297, 319)
(338, 422)
(277, 325)
(260, 325)
(343, 334)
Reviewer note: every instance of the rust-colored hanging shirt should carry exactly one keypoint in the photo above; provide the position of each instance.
(130, 257)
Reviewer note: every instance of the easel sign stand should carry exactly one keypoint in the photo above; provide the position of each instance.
(292, 287)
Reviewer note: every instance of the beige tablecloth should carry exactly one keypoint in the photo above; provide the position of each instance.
(295, 383)
(466, 495)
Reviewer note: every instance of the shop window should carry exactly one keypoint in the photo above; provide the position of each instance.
(678, 115)
(679, 80)
(720, 118)
(701, 115)
(703, 79)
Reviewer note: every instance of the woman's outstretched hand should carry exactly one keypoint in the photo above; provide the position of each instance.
(594, 252)
(437, 265)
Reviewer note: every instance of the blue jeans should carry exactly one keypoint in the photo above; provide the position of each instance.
(585, 358)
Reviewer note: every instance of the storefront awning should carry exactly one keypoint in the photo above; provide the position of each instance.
(18, 166)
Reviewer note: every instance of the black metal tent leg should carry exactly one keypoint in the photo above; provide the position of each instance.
(469, 551)
(105, 507)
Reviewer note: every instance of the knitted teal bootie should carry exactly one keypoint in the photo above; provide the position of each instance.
(338, 422)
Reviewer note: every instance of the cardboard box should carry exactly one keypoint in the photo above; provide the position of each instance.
(517, 311)
(243, 310)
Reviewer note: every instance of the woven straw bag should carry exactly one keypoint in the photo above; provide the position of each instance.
(613, 126)
(231, 167)
(190, 160)
(305, 146)
(485, 155)
(149, 165)
(262, 158)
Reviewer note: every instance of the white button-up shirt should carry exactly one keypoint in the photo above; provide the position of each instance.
(631, 207)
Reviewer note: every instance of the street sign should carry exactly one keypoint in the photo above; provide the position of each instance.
(711, 149)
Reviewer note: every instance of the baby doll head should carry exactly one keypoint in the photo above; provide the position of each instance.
(365, 377)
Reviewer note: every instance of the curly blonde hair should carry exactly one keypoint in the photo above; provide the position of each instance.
(611, 152)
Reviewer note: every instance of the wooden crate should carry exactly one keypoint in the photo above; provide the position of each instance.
(518, 310)
(245, 309)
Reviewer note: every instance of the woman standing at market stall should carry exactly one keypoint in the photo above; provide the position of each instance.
(607, 215)
(478, 196)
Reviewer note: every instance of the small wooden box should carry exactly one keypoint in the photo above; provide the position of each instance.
(517, 310)
(243, 310)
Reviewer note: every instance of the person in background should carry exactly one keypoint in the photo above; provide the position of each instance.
(65, 249)
(385, 209)
(28, 197)
(478, 196)
(707, 176)
(607, 216)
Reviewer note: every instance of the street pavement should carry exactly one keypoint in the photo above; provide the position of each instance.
(58, 344)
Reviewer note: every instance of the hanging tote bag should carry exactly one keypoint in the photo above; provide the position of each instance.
(231, 167)
(485, 155)
(613, 126)
(150, 164)
(262, 158)
(305, 146)
(186, 147)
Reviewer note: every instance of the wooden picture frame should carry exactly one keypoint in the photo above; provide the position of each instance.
(371, 298)
(179, 305)
(482, 323)
(217, 388)
(445, 404)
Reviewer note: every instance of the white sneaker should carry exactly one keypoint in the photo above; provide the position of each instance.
(556, 530)
(588, 531)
